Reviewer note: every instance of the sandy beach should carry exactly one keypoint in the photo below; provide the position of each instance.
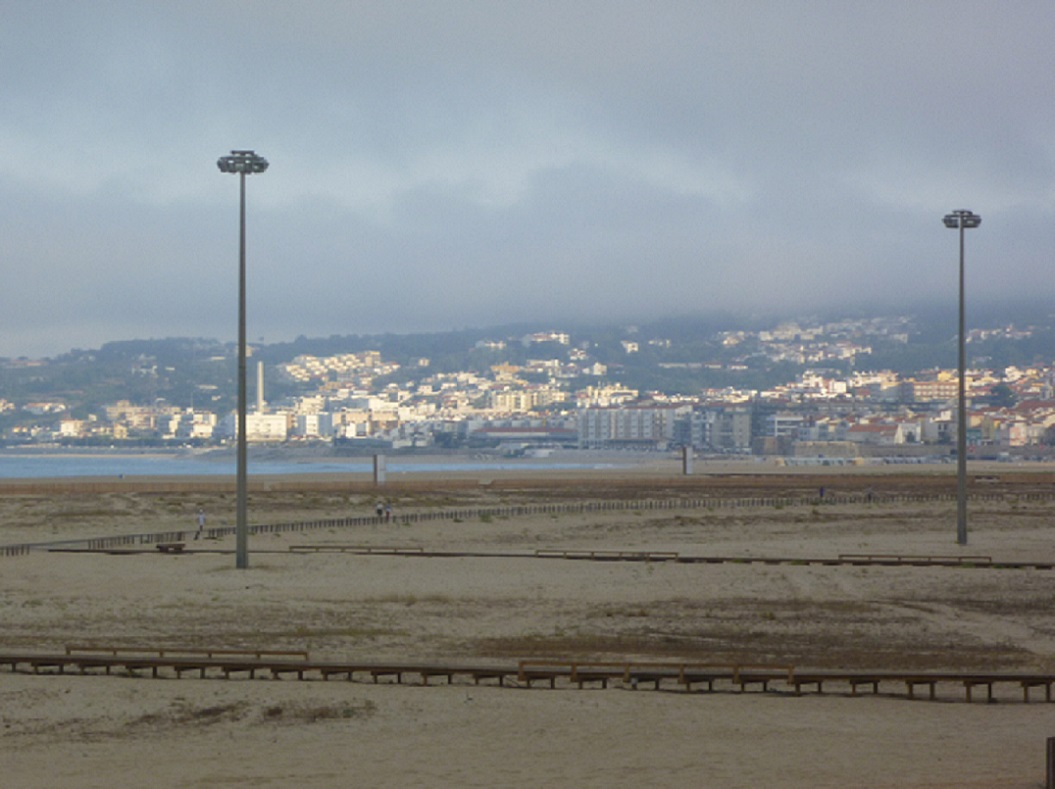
(117, 731)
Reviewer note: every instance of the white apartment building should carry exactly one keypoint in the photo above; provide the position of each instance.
(783, 425)
(73, 428)
(605, 396)
(520, 401)
(187, 425)
(717, 428)
(258, 427)
(650, 427)
(306, 426)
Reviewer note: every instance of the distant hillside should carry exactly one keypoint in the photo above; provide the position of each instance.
(673, 355)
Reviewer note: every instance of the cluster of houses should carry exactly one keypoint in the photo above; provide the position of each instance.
(814, 415)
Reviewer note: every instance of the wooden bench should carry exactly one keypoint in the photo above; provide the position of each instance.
(171, 547)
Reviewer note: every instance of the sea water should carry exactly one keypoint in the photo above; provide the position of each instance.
(47, 465)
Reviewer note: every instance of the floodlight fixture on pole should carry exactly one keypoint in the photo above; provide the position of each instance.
(961, 220)
(242, 163)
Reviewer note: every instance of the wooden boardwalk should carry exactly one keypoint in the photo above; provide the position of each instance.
(584, 554)
(715, 503)
(685, 677)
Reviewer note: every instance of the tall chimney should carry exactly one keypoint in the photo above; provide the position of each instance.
(260, 387)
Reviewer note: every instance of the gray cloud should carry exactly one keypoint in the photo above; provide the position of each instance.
(444, 165)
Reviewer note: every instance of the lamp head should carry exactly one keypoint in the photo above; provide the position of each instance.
(961, 218)
(242, 162)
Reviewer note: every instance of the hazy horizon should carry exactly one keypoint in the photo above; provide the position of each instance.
(1022, 313)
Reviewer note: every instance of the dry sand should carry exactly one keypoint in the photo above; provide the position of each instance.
(115, 731)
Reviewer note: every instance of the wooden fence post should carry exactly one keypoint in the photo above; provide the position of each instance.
(1051, 763)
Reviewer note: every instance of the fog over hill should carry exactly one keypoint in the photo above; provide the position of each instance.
(436, 166)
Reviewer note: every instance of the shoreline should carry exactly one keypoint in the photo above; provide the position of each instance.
(717, 479)
(273, 470)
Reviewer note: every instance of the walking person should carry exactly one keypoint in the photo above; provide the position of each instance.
(201, 523)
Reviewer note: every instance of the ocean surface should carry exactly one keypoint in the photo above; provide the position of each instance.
(45, 465)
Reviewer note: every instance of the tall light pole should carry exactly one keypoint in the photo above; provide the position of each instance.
(962, 220)
(243, 163)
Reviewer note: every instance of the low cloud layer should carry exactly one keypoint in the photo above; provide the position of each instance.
(444, 165)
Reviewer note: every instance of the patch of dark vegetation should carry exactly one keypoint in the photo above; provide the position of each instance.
(314, 713)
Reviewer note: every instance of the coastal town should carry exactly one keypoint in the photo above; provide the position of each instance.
(563, 396)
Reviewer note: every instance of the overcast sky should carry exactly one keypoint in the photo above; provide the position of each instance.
(444, 164)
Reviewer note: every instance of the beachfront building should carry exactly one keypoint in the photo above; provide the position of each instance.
(715, 428)
(783, 425)
(187, 425)
(625, 427)
(263, 428)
